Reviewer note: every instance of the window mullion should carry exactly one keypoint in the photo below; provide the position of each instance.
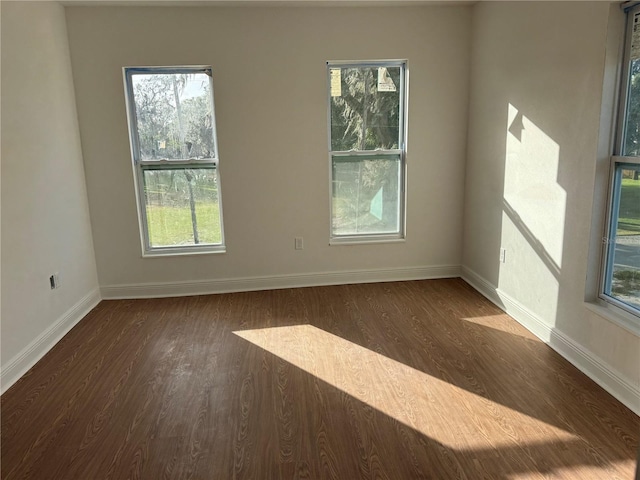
(617, 159)
(194, 163)
(394, 151)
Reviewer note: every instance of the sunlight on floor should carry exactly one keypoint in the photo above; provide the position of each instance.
(420, 401)
(502, 323)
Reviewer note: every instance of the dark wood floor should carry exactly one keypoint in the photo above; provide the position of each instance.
(392, 381)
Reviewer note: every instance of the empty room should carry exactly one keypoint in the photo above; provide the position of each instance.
(320, 239)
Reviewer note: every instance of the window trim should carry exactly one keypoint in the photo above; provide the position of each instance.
(401, 152)
(140, 166)
(611, 214)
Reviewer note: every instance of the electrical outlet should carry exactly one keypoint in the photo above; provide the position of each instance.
(299, 243)
(503, 255)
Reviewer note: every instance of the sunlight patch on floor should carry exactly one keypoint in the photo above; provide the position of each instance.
(502, 323)
(420, 401)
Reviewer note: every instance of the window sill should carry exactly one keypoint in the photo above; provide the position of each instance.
(616, 315)
(365, 240)
(181, 252)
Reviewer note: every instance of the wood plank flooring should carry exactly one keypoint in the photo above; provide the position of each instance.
(405, 380)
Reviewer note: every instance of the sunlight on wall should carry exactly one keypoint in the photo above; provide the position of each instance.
(534, 207)
(530, 183)
(402, 392)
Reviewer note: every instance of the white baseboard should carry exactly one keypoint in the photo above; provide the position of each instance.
(29, 356)
(272, 282)
(587, 362)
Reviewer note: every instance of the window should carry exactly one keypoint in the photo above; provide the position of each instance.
(621, 266)
(175, 158)
(367, 150)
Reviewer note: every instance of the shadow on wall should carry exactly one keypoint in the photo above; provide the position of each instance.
(531, 239)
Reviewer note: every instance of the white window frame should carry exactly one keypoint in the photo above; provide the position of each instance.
(400, 152)
(617, 163)
(140, 165)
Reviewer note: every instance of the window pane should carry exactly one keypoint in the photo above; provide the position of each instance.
(632, 125)
(182, 207)
(173, 115)
(365, 108)
(631, 145)
(366, 195)
(624, 267)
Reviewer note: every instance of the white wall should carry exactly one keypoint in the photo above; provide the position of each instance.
(270, 91)
(45, 217)
(537, 72)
